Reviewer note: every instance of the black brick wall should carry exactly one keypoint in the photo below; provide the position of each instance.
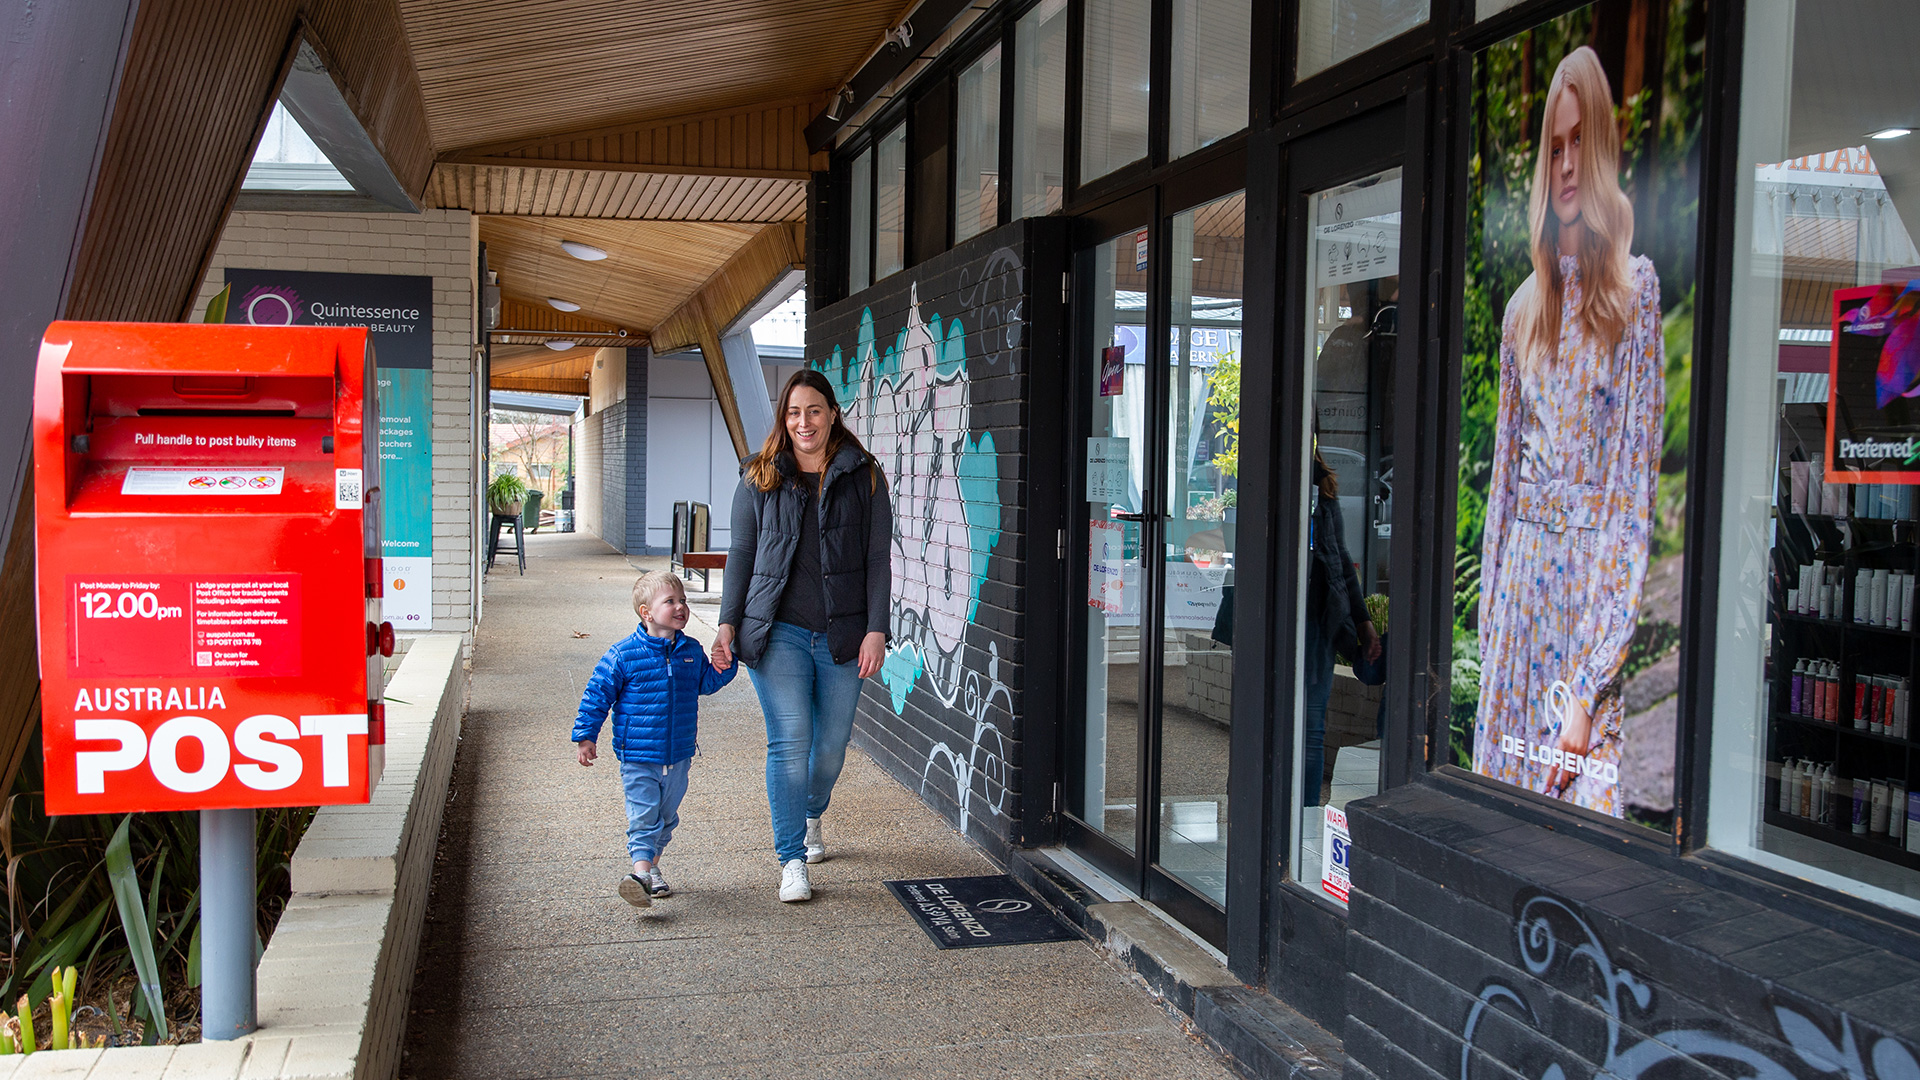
(1484, 947)
(932, 368)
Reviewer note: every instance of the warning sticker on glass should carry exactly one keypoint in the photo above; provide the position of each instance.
(184, 625)
(203, 480)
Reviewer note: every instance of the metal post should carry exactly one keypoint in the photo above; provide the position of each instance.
(228, 1009)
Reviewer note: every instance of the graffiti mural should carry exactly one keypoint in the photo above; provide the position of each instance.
(907, 383)
(1559, 947)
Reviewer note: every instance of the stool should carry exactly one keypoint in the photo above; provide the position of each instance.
(508, 521)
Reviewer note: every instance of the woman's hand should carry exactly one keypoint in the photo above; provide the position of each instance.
(1370, 642)
(587, 751)
(722, 651)
(873, 653)
(1576, 737)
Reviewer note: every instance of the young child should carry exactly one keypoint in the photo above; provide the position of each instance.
(652, 680)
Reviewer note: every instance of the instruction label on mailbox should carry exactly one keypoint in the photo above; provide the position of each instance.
(184, 625)
(203, 480)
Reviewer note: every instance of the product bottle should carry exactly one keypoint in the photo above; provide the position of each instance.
(1896, 811)
(1862, 805)
(1877, 825)
(1794, 700)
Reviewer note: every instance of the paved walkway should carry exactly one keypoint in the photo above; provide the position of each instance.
(533, 967)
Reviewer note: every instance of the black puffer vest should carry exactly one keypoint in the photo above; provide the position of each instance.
(846, 520)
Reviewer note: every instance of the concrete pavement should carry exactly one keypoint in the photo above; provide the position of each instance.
(532, 966)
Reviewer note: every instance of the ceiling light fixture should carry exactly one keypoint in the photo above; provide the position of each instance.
(562, 305)
(842, 101)
(585, 252)
(561, 345)
(1891, 133)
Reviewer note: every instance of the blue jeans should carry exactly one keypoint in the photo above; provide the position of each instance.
(1316, 687)
(653, 805)
(809, 702)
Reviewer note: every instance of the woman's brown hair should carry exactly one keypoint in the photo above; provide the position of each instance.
(763, 469)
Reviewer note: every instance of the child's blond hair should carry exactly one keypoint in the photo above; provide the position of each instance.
(650, 584)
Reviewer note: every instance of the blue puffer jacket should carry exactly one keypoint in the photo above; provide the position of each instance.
(655, 710)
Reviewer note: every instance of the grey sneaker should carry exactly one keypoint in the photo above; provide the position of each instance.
(657, 884)
(816, 843)
(636, 891)
(793, 882)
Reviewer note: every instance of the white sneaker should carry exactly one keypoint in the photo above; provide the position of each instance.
(793, 882)
(816, 844)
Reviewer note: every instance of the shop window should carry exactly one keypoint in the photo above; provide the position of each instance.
(976, 150)
(1040, 109)
(1117, 53)
(860, 223)
(1352, 300)
(890, 203)
(1336, 30)
(1577, 372)
(1814, 750)
(1210, 63)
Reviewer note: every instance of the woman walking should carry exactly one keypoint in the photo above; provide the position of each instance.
(805, 605)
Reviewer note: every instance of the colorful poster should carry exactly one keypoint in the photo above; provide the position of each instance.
(1113, 371)
(1577, 371)
(1336, 854)
(397, 311)
(1873, 417)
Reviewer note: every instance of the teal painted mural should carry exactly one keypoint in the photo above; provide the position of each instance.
(908, 394)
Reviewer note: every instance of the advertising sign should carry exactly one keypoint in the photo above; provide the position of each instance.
(1583, 205)
(1108, 461)
(1112, 582)
(1336, 857)
(1873, 419)
(397, 311)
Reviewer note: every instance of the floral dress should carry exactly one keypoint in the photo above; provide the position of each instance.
(1568, 530)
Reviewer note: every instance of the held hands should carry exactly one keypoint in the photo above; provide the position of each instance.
(587, 751)
(873, 653)
(721, 654)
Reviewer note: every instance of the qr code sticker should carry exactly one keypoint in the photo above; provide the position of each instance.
(203, 658)
(346, 489)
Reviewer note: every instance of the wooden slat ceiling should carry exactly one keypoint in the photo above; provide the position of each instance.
(585, 193)
(499, 70)
(652, 268)
(540, 369)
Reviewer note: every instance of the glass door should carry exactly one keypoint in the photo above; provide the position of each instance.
(1157, 354)
(1106, 791)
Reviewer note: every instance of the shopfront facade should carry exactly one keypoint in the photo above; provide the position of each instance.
(1489, 623)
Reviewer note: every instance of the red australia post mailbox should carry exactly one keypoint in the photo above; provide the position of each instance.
(208, 546)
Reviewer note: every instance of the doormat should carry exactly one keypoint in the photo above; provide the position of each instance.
(976, 912)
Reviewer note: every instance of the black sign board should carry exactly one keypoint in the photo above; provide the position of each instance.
(975, 912)
(396, 309)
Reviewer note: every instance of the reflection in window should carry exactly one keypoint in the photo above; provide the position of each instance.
(890, 220)
(1334, 30)
(1814, 751)
(1352, 305)
(1040, 109)
(860, 223)
(976, 157)
(1210, 59)
(1113, 87)
(1203, 481)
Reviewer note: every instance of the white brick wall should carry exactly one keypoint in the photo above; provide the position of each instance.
(443, 244)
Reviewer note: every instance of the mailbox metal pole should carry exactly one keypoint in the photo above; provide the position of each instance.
(228, 1004)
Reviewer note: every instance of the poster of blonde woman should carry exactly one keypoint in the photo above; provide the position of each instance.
(1578, 350)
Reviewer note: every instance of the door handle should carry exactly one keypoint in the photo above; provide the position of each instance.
(1141, 517)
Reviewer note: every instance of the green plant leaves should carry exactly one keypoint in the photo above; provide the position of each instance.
(134, 921)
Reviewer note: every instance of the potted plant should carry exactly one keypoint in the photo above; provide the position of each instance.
(506, 494)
